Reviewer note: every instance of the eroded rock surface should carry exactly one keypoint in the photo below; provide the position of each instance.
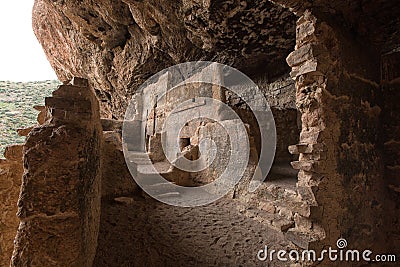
(118, 44)
(59, 204)
(10, 181)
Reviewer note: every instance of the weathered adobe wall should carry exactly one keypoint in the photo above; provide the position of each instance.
(59, 204)
(10, 181)
(391, 138)
(337, 81)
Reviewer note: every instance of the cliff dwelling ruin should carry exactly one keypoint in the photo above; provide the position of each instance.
(330, 72)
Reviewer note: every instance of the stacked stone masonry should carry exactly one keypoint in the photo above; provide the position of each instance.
(329, 89)
(391, 126)
(59, 204)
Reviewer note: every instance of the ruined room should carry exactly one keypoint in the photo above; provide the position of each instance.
(73, 194)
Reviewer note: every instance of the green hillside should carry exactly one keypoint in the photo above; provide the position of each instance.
(16, 107)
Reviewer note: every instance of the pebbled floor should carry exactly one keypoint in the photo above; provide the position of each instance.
(143, 232)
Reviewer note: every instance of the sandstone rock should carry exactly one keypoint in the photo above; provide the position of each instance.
(282, 224)
(111, 125)
(11, 171)
(13, 152)
(39, 108)
(61, 203)
(24, 132)
(79, 82)
(303, 165)
(306, 148)
(267, 206)
(301, 238)
(43, 116)
(116, 178)
(297, 149)
(105, 40)
(302, 222)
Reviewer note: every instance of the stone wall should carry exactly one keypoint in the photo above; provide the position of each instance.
(340, 158)
(11, 178)
(280, 95)
(59, 204)
(391, 138)
(116, 178)
(10, 181)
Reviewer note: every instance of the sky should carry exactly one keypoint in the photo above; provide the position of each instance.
(21, 56)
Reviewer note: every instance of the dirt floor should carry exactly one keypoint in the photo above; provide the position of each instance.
(143, 232)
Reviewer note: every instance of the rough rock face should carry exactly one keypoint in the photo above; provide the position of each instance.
(118, 44)
(59, 204)
(391, 122)
(10, 181)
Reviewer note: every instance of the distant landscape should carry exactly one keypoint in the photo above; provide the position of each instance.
(16, 108)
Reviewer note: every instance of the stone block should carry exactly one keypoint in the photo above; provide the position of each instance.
(60, 193)
(302, 222)
(301, 55)
(70, 117)
(282, 224)
(39, 108)
(297, 149)
(68, 104)
(267, 206)
(111, 125)
(25, 131)
(303, 165)
(299, 238)
(316, 156)
(72, 92)
(306, 148)
(43, 116)
(307, 67)
(311, 136)
(80, 82)
(285, 212)
(307, 195)
(13, 152)
(305, 29)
